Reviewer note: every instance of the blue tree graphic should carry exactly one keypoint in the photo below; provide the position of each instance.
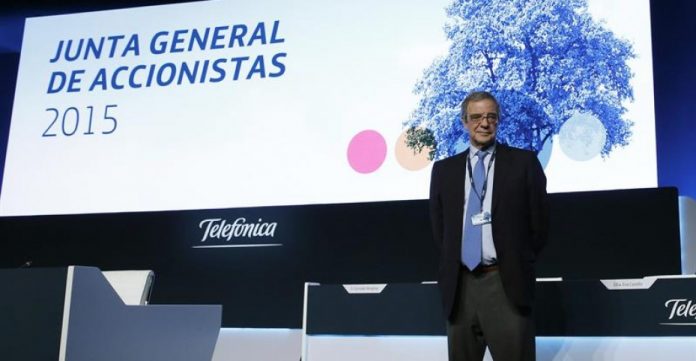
(545, 60)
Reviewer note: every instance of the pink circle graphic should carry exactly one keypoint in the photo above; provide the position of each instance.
(367, 151)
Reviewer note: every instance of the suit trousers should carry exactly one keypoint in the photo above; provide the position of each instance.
(484, 316)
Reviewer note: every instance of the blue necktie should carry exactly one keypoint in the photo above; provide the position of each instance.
(471, 241)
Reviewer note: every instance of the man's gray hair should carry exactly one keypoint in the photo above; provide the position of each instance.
(478, 96)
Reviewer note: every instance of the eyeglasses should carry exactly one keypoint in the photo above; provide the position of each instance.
(492, 118)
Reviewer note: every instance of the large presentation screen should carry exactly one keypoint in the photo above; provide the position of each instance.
(226, 104)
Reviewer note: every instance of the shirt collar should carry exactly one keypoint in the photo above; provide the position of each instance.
(473, 150)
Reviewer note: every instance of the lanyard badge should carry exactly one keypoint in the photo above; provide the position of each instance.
(482, 217)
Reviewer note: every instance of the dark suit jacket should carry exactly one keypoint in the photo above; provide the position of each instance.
(519, 225)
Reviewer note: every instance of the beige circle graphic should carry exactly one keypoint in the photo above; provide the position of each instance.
(408, 158)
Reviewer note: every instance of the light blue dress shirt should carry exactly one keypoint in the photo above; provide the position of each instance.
(488, 248)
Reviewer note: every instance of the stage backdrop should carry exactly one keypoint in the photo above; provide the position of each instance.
(241, 148)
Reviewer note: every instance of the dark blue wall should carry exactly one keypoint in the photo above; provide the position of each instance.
(674, 54)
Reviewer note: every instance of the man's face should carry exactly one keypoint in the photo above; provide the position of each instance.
(482, 122)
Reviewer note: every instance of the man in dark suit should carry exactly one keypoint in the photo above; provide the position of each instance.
(489, 216)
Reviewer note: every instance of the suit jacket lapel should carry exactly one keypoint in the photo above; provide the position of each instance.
(501, 167)
(458, 179)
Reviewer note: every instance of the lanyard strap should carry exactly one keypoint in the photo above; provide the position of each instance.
(481, 196)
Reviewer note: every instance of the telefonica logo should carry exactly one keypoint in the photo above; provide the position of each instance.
(681, 309)
(219, 229)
